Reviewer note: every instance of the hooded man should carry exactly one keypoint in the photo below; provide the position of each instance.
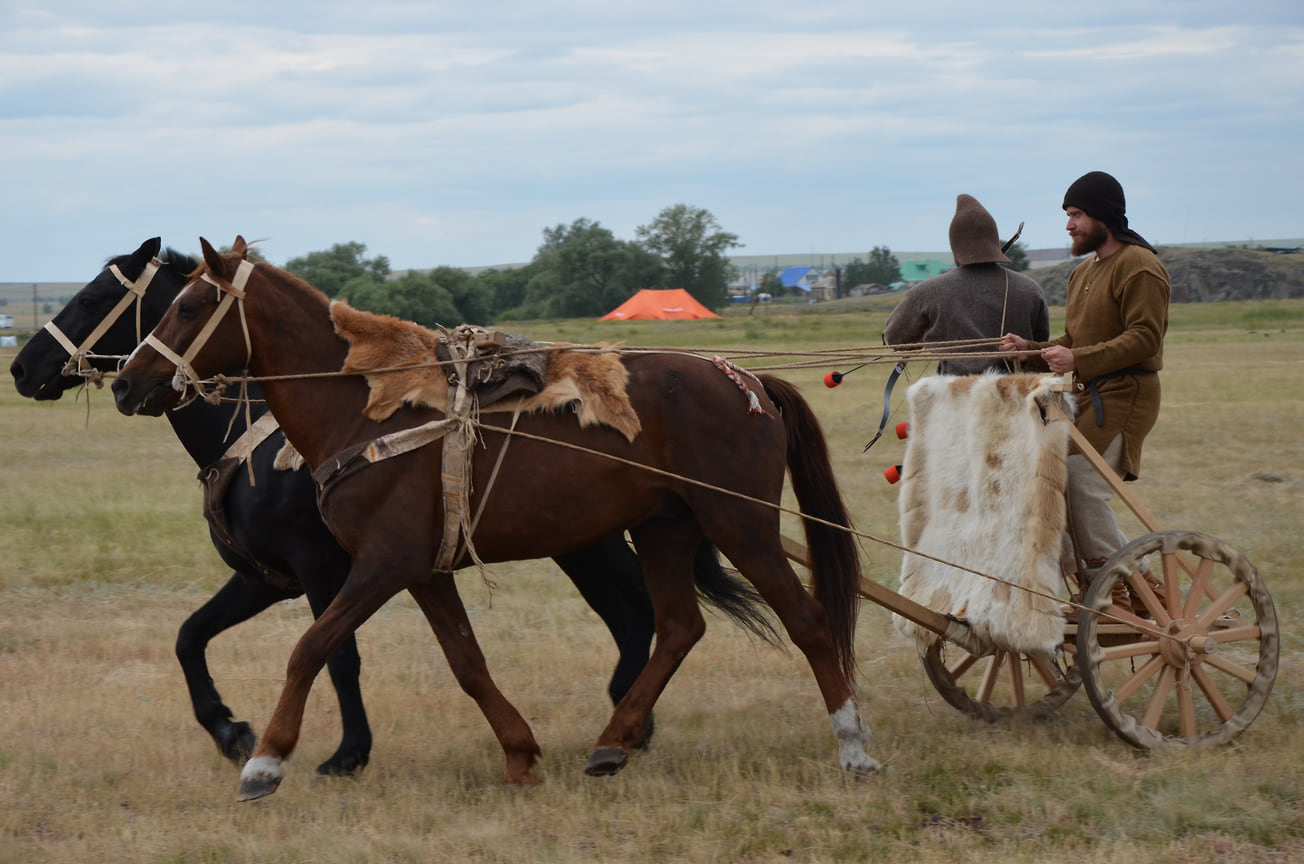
(1115, 319)
(977, 300)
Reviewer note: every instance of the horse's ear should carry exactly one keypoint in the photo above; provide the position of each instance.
(216, 265)
(240, 247)
(149, 249)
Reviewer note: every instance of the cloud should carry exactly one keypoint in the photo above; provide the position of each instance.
(454, 133)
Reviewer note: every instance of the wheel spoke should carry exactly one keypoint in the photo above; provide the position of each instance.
(990, 676)
(965, 663)
(1199, 585)
(1224, 602)
(1236, 670)
(1249, 632)
(1044, 671)
(1155, 705)
(1219, 704)
(1016, 682)
(1138, 678)
(1142, 589)
(1135, 649)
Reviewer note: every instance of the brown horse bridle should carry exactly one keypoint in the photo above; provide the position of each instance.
(77, 354)
(232, 292)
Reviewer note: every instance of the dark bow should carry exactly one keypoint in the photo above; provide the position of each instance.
(887, 402)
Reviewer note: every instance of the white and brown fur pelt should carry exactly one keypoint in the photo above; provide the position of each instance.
(591, 383)
(982, 486)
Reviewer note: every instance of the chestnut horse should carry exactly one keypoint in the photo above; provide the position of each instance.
(703, 467)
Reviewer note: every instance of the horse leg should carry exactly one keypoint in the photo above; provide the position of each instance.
(666, 547)
(345, 667)
(610, 579)
(240, 599)
(443, 608)
(357, 601)
(761, 561)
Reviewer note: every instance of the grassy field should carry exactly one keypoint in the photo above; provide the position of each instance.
(105, 553)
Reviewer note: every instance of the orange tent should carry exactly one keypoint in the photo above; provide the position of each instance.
(649, 305)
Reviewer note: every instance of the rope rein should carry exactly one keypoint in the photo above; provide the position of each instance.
(186, 380)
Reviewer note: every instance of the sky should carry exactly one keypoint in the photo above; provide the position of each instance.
(454, 133)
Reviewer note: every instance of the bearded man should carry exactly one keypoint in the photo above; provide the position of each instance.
(1115, 319)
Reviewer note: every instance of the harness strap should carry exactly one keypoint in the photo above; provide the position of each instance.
(1097, 404)
(455, 473)
(135, 294)
(244, 446)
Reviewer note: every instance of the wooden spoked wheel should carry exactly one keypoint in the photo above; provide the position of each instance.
(1001, 685)
(1197, 669)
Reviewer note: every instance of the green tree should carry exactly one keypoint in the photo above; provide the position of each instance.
(330, 270)
(583, 270)
(692, 249)
(445, 295)
(1018, 256)
(505, 289)
(883, 266)
(770, 284)
(857, 272)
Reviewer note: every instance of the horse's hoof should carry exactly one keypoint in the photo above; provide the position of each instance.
(236, 741)
(525, 781)
(260, 777)
(348, 765)
(863, 770)
(605, 761)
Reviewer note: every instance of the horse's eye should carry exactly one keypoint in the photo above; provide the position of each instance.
(86, 301)
(187, 311)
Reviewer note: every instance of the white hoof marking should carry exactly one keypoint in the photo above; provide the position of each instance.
(853, 736)
(263, 768)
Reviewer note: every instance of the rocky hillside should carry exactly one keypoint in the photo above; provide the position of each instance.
(1206, 275)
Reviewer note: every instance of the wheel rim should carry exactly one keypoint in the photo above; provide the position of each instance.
(1000, 685)
(1200, 670)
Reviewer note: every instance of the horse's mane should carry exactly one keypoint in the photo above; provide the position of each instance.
(179, 261)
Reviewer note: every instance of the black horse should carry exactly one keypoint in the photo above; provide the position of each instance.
(270, 532)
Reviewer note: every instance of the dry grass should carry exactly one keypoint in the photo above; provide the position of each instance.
(100, 760)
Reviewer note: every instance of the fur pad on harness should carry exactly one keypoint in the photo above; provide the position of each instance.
(593, 384)
(982, 486)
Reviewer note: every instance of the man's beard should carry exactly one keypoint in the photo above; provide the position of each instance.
(1090, 242)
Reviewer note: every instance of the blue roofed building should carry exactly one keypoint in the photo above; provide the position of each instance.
(801, 278)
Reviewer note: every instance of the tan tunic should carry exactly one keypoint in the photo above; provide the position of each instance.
(1115, 318)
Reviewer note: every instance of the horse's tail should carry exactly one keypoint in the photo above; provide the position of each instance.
(734, 596)
(834, 555)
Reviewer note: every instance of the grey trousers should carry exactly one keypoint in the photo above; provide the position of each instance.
(1089, 495)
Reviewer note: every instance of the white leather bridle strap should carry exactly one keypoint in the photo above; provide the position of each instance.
(232, 292)
(135, 293)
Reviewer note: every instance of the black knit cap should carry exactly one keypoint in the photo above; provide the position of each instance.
(1100, 196)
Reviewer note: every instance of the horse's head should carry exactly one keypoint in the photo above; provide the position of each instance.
(195, 339)
(107, 317)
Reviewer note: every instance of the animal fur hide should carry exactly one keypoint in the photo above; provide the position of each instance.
(592, 384)
(982, 486)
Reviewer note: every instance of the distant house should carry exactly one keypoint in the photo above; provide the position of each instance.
(825, 287)
(801, 278)
(868, 288)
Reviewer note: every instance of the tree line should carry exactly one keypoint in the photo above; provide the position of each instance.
(580, 270)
